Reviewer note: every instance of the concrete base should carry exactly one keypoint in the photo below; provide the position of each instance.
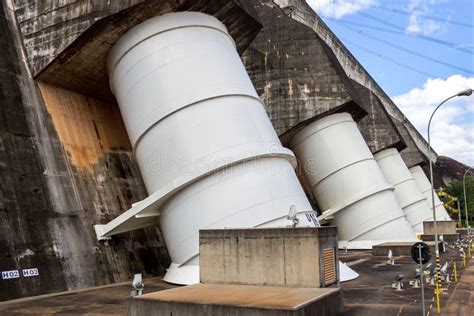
(446, 237)
(227, 299)
(443, 227)
(463, 232)
(400, 248)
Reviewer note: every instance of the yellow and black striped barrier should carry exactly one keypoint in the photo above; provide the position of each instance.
(455, 272)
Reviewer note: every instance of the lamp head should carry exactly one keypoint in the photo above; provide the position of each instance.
(466, 93)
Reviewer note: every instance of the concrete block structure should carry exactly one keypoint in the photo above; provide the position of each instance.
(401, 249)
(443, 227)
(294, 257)
(256, 271)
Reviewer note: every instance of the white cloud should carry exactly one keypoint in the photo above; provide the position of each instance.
(418, 23)
(339, 8)
(452, 128)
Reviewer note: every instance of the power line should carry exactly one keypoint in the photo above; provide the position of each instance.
(408, 50)
(389, 59)
(414, 35)
(424, 16)
(381, 21)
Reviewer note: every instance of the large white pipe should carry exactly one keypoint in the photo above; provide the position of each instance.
(192, 113)
(348, 184)
(412, 201)
(424, 185)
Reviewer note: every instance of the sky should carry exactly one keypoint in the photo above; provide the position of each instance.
(420, 52)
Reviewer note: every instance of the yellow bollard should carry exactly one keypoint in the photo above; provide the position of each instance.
(464, 261)
(455, 271)
(469, 250)
(437, 299)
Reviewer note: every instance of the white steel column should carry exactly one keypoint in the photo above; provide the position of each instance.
(348, 184)
(206, 149)
(412, 201)
(424, 186)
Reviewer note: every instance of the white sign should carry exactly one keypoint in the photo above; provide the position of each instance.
(13, 274)
(30, 272)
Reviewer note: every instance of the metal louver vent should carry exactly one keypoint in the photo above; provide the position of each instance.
(329, 262)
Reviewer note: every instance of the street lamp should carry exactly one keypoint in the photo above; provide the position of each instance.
(466, 92)
(465, 200)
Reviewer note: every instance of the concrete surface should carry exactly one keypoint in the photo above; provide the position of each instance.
(417, 147)
(447, 237)
(372, 295)
(443, 227)
(226, 299)
(57, 179)
(103, 300)
(369, 295)
(463, 232)
(400, 248)
(461, 302)
(267, 256)
(51, 203)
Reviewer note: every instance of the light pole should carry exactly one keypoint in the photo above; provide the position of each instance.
(465, 200)
(466, 92)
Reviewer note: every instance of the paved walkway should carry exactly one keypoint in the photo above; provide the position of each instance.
(461, 301)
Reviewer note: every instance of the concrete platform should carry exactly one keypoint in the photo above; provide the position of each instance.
(463, 232)
(372, 295)
(110, 300)
(447, 237)
(231, 299)
(400, 248)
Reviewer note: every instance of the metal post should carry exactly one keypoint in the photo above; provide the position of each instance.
(421, 279)
(465, 199)
(466, 92)
(455, 272)
(459, 213)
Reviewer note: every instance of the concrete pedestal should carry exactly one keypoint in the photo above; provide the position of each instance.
(238, 300)
(444, 227)
(294, 257)
(463, 232)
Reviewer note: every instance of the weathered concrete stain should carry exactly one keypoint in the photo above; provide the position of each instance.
(87, 128)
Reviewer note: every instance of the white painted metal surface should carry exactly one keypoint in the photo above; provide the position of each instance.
(424, 185)
(346, 273)
(409, 196)
(206, 149)
(348, 184)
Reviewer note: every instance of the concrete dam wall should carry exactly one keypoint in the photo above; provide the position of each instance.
(66, 162)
